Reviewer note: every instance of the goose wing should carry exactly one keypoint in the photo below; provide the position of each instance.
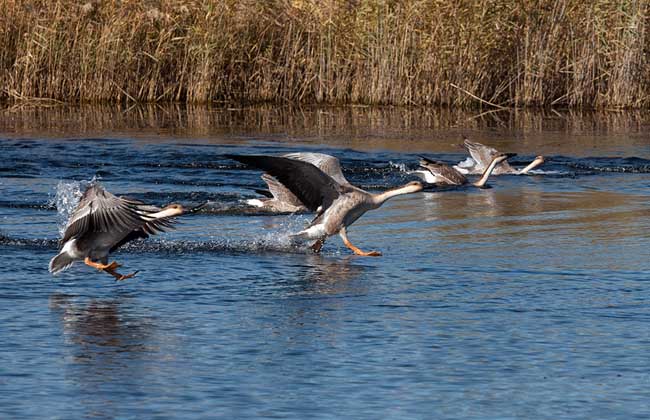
(100, 211)
(481, 153)
(326, 163)
(442, 172)
(150, 226)
(280, 192)
(313, 187)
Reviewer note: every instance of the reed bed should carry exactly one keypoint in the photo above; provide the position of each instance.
(463, 53)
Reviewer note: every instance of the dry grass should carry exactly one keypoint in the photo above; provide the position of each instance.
(418, 52)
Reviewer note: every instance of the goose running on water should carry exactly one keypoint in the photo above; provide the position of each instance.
(102, 222)
(337, 205)
(280, 199)
(482, 155)
(440, 173)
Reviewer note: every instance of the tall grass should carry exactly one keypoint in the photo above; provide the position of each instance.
(508, 53)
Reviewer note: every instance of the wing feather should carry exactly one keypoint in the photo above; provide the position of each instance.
(313, 187)
(100, 211)
(443, 172)
(280, 192)
(326, 163)
(481, 153)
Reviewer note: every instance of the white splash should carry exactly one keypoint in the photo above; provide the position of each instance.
(66, 199)
(398, 166)
(467, 163)
(281, 235)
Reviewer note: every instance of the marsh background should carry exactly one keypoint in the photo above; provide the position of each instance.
(426, 52)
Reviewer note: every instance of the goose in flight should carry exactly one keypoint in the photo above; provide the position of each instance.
(482, 155)
(280, 199)
(102, 222)
(440, 173)
(337, 205)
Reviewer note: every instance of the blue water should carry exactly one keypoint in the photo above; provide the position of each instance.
(526, 300)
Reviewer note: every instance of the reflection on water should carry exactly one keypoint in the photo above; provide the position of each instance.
(109, 350)
(98, 329)
(327, 276)
(404, 129)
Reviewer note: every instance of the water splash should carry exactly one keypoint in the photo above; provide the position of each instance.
(399, 166)
(66, 199)
(467, 163)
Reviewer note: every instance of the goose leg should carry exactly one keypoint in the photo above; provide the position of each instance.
(109, 268)
(346, 241)
(120, 277)
(100, 266)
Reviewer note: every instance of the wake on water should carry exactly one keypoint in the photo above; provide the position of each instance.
(68, 194)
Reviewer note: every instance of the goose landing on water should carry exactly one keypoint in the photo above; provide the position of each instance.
(102, 222)
(280, 199)
(482, 155)
(337, 205)
(442, 174)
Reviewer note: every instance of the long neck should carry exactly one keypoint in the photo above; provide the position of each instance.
(486, 174)
(379, 199)
(165, 213)
(531, 165)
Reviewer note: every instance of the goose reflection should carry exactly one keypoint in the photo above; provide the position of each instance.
(324, 276)
(99, 328)
(109, 351)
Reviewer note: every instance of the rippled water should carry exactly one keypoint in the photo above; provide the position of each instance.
(525, 300)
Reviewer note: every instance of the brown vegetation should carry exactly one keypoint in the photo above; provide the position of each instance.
(510, 53)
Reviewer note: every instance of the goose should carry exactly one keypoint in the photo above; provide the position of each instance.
(280, 199)
(481, 156)
(442, 174)
(337, 205)
(103, 222)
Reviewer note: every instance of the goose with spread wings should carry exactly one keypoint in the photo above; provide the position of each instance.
(102, 222)
(280, 199)
(337, 205)
(439, 173)
(482, 155)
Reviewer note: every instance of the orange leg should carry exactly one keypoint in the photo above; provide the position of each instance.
(354, 249)
(120, 277)
(99, 266)
(109, 268)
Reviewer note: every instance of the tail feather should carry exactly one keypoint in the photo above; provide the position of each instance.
(60, 262)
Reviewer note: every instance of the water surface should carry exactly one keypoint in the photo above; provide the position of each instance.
(525, 300)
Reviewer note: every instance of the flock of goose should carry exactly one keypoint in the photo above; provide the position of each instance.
(102, 222)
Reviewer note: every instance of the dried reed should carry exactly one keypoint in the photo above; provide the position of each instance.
(413, 52)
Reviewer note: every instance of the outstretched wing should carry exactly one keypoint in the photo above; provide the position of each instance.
(152, 226)
(481, 153)
(313, 187)
(326, 163)
(100, 211)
